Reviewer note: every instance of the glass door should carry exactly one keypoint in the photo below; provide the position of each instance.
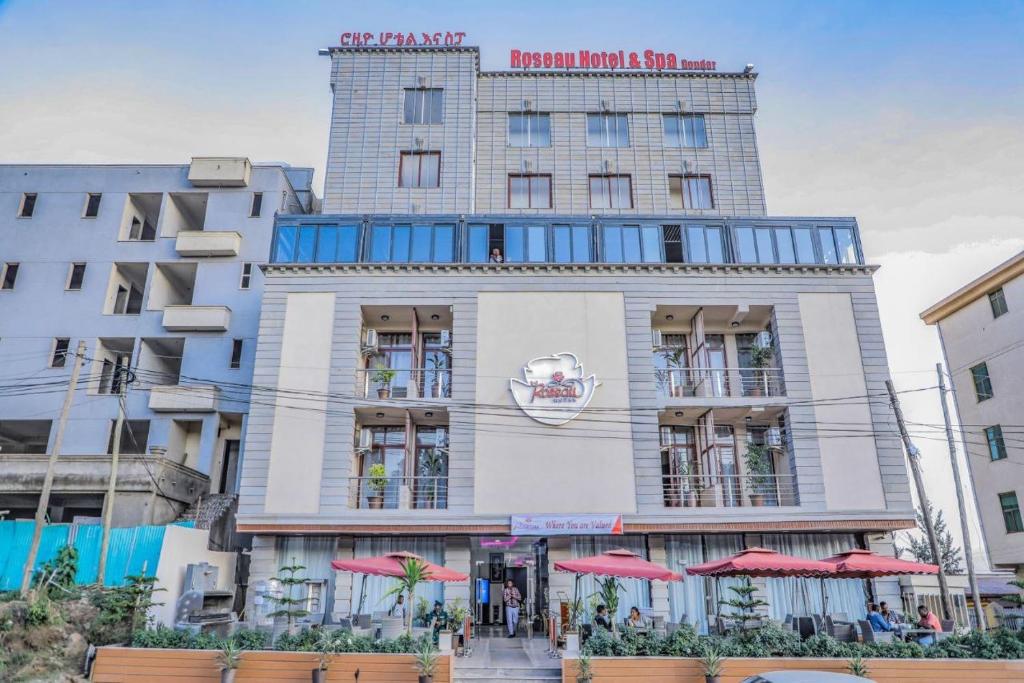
(717, 364)
(725, 446)
(388, 449)
(430, 490)
(395, 354)
(436, 374)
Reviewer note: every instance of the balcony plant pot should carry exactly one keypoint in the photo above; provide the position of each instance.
(572, 642)
(426, 679)
(383, 392)
(712, 679)
(375, 502)
(757, 500)
(444, 641)
(228, 675)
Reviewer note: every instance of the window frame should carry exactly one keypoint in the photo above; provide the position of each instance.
(996, 443)
(256, 205)
(528, 232)
(1011, 510)
(606, 130)
(681, 118)
(88, 200)
(980, 382)
(5, 272)
(682, 178)
(528, 116)
(419, 155)
(421, 93)
(607, 177)
(576, 232)
(25, 200)
(245, 278)
(530, 177)
(237, 346)
(705, 228)
(71, 277)
(59, 358)
(997, 302)
(380, 228)
(643, 231)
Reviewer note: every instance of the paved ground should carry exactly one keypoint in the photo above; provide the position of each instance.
(513, 660)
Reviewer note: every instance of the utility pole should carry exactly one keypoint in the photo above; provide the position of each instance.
(912, 455)
(44, 497)
(122, 375)
(972, 578)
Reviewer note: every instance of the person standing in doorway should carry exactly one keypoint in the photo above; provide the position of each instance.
(511, 597)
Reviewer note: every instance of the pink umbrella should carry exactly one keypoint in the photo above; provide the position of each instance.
(864, 564)
(761, 562)
(621, 563)
(393, 565)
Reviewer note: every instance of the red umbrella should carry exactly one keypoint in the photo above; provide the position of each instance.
(761, 562)
(620, 563)
(864, 564)
(393, 565)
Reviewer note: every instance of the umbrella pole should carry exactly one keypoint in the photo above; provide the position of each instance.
(824, 598)
(362, 593)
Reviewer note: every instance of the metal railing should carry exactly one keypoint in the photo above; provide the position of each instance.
(398, 493)
(719, 382)
(404, 383)
(730, 490)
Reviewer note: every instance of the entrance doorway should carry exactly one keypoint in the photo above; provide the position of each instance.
(495, 560)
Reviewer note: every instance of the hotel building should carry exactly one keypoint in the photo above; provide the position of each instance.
(981, 328)
(652, 354)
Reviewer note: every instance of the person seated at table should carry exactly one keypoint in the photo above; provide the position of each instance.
(635, 619)
(438, 620)
(878, 622)
(928, 621)
(602, 619)
(398, 609)
(888, 614)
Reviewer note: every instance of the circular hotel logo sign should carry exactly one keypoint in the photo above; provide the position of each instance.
(553, 389)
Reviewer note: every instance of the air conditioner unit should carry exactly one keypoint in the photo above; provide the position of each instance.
(446, 339)
(365, 439)
(773, 437)
(370, 342)
(656, 339)
(441, 439)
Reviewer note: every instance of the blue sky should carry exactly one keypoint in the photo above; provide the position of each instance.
(906, 115)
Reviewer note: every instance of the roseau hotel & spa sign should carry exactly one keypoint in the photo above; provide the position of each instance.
(645, 60)
(554, 389)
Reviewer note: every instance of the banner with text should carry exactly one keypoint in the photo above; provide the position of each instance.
(566, 525)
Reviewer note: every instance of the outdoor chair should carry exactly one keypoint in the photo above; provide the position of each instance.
(671, 628)
(870, 636)
(948, 625)
(363, 620)
(840, 616)
(391, 627)
(819, 623)
(805, 627)
(344, 623)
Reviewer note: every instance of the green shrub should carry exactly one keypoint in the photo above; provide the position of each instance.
(249, 639)
(895, 649)
(683, 642)
(600, 644)
(771, 640)
(824, 645)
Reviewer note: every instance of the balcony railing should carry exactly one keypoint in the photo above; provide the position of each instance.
(729, 490)
(407, 383)
(398, 493)
(719, 382)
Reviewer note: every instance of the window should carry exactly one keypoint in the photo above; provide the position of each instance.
(76, 274)
(1011, 512)
(141, 230)
(419, 169)
(60, 352)
(28, 205)
(685, 130)
(92, 205)
(571, 243)
(529, 130)
(607, 130)
(25, 436)
(424, 105)
(997, 300)
(134, 436)
(837, 245)
(10, 275)
(323, 244)
(772, 245)
(525, 244)
(127, 300)
(704, 244)
(996, 445)
(631, 244)
(257, 205)
(690, 192)
(483, 240)
(982, 382)
(529, 192)
(412, 243)
(611, 192)
(236, 354)
(246, 280)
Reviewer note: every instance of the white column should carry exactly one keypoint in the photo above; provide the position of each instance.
(659, 589)
(457, 557)
(559, 550)
(262, 568)
(344, 581)
(887, 589)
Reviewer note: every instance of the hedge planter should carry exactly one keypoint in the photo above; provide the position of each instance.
(688, 669)
(154, 665)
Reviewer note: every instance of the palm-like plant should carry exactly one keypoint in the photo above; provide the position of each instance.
(608, 594)
(414, 572)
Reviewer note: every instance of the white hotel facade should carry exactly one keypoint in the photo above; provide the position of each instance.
(730, 363)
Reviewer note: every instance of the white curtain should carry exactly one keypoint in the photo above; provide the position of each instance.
(315, 554)
(375, 587)
(803, 596)
(634, 592)
(695, 598)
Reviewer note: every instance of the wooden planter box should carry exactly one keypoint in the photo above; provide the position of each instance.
(117, 664)
(688, 670)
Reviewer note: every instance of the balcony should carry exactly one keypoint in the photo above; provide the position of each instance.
(197, 318)
(219, 171)
(398, 493)
(208, 243)
(415, 383)
(178, 398)
(730, 491)
(720, 382)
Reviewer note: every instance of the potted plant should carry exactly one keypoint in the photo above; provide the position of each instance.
(673, 375)
(457, 614)
(761, 358)
(744, 603)
(711, 662)
(382, 377)
(583, 672)
(608, 595)
(288, 603)
(759, 468)
(572, 635)
(413, 573)
(324, 649)
(378, 481)
(426, 663)
(229, 657)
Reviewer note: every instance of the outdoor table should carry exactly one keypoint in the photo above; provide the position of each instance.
(917, 633)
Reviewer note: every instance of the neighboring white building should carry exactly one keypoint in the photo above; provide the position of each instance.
(981, 327)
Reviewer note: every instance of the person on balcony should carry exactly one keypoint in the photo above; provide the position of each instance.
(511, 597)
(496, 256)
